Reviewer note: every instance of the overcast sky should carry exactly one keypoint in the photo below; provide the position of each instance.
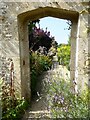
(57, 28)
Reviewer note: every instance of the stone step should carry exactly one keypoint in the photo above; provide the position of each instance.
(29, 115)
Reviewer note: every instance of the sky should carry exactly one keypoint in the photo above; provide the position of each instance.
(57, 28)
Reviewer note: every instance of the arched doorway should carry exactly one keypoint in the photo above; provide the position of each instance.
(24, 43)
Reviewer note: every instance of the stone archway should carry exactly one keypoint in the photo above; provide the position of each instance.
(24, 43)
(14, 38)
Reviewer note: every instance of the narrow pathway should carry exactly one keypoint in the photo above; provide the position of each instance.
(39, 104)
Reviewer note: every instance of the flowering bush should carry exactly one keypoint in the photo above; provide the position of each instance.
(38, 64)
(63, 103)
(38, 37)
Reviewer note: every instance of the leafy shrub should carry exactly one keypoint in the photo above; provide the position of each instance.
(63, 103)
(63, 53)
(38, 64)
(12, 107)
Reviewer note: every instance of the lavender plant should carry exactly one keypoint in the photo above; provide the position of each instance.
(63, 103)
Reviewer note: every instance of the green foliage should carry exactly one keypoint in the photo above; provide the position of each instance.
(63, 53)
(15, 112)
(12, 107)
(38, 64)
(32, 25)
(63, 103)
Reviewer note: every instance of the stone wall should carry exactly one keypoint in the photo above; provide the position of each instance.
(14, 45)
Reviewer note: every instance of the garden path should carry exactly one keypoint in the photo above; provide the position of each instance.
(39, 105)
